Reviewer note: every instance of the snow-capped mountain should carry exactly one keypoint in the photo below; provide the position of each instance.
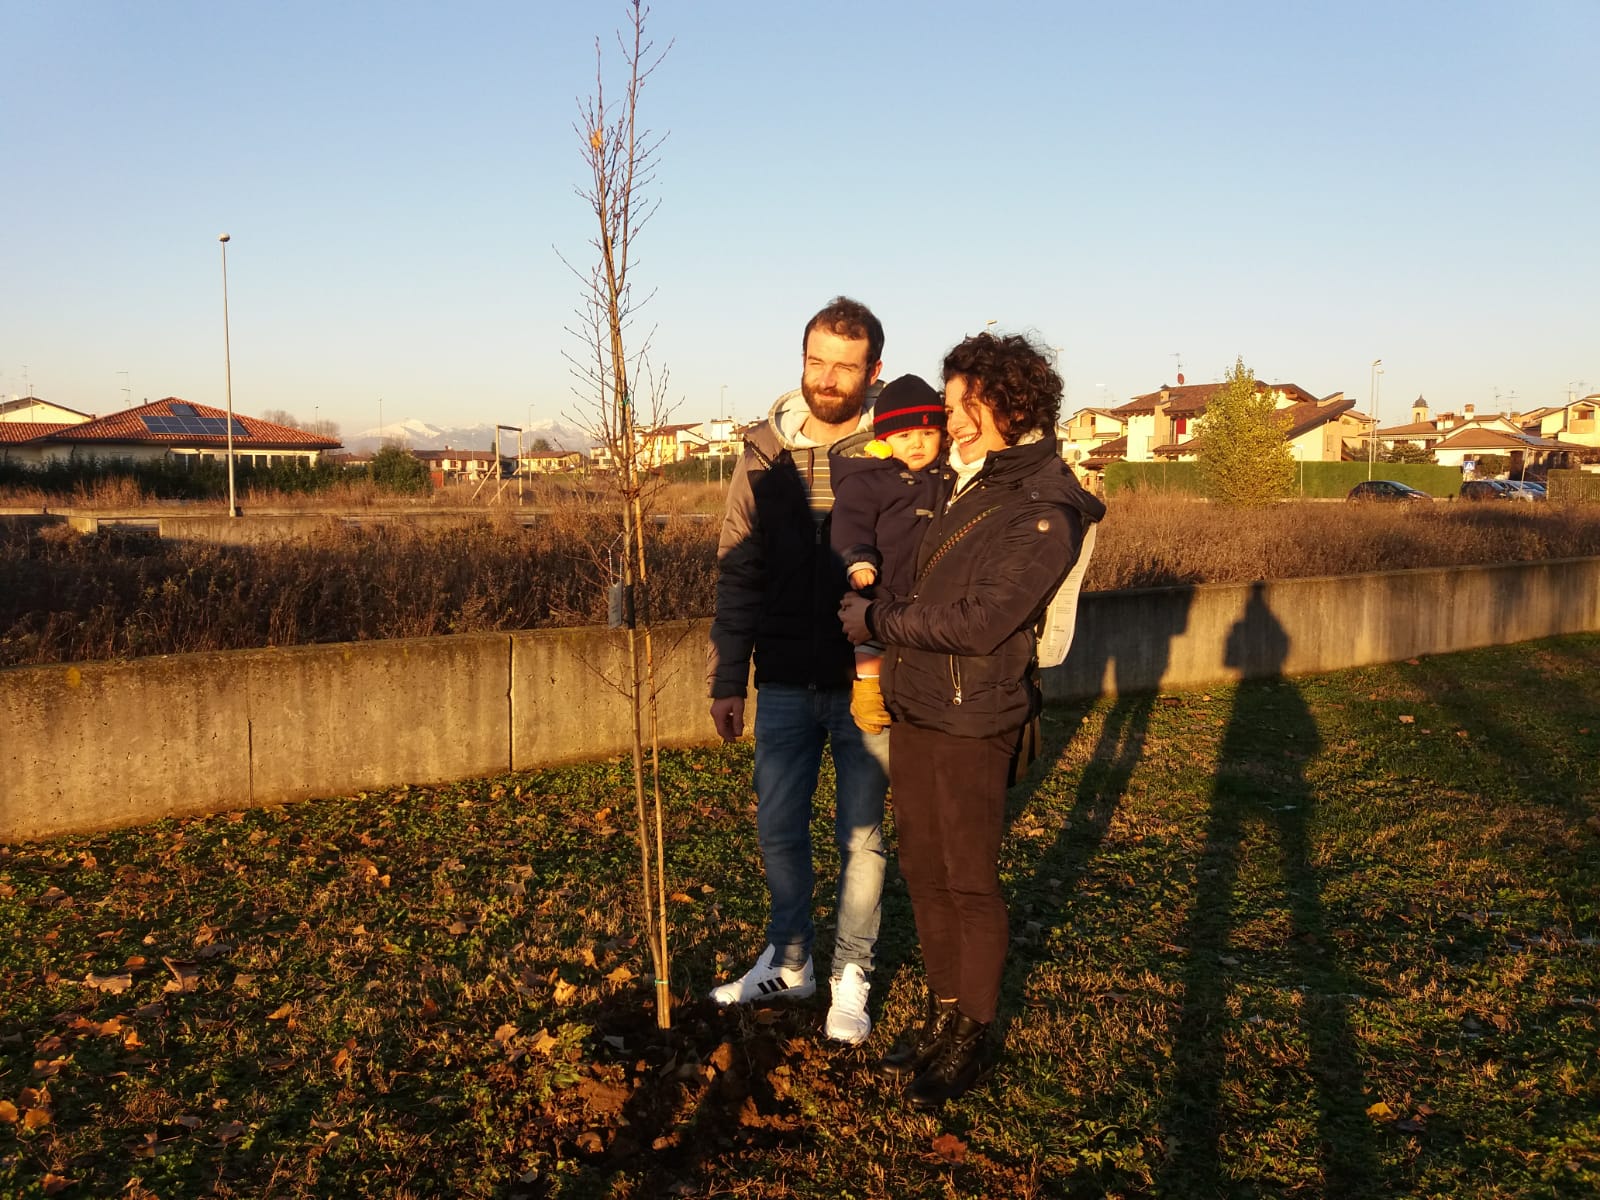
(421, 435)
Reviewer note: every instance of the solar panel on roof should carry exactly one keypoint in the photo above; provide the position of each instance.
(193, 425)
(183, 410)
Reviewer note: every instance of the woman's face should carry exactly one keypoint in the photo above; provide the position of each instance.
(970, 426)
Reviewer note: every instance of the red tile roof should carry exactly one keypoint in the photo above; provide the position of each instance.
(1111, 452)
(1190, 398)
(129, 427)
(14, 432)
(1475, 437)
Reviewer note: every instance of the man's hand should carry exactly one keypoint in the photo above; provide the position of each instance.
(853, 616)
(727, 715)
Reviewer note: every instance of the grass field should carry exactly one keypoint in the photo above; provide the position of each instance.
(1331, 937)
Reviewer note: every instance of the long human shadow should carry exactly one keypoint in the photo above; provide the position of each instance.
(1261, 789)
(1135, 653)
(1138, 652)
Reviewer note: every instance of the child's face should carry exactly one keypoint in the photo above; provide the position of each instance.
(915, 447)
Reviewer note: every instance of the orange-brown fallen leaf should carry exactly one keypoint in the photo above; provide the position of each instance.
(950, 1148)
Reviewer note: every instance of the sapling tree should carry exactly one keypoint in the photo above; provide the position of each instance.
(620, 159)
(1244, 457)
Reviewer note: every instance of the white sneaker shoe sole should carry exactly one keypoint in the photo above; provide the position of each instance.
(764, 982)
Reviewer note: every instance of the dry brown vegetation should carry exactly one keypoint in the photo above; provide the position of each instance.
(65, 597)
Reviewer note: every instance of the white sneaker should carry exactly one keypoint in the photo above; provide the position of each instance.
(847, 1016)
(764, 981)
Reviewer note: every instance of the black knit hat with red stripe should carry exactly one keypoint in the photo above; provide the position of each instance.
(907, 403)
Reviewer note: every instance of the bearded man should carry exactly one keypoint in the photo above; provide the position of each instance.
(778, 589)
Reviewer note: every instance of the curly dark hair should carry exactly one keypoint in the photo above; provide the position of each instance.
(848, 318)
(1014, 380)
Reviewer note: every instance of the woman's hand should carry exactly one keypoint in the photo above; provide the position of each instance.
(853, 616)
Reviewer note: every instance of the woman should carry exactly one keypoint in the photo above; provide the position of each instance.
(957, 682)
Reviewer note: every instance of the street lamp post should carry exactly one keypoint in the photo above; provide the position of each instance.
(1372, 444)
(227, 361)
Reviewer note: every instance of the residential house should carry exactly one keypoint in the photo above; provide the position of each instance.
(551, 462)
(1164, 424)
(1575, 425)
(1459, 440)
(163, 429)
(674, 443)
(450, 466)
(1087, 433)
(30, 410)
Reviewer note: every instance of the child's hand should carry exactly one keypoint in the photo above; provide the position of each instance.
(862, 576)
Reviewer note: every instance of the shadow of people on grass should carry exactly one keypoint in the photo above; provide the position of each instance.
(1133, 655)
(1260, 962)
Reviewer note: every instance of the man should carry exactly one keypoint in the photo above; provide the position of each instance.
(778, 590)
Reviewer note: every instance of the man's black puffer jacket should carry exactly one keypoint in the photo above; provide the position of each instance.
(958, 650)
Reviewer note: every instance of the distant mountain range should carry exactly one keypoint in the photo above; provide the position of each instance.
(420, 435)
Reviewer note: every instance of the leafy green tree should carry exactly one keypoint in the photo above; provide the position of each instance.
(1406, 452)
(1244, 458)
(396, 469)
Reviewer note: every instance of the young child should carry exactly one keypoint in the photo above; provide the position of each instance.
(885, 489)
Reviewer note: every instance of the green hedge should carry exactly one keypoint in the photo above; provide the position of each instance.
(172, 478)
(1312, 479)
(1573, 486)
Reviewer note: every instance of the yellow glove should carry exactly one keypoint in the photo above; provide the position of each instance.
(866, 706)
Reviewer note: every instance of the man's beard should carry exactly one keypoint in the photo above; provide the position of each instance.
(833, 407)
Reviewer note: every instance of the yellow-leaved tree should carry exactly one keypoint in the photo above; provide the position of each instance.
(1244, 456)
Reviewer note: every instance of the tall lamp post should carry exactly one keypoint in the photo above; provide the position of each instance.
(227, 360)
(1372, 444)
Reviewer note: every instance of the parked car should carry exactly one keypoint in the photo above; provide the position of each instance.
(1485, 489)
(1526, 489)
(1385, 489)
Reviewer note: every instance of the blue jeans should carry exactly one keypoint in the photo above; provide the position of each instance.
(793, 722)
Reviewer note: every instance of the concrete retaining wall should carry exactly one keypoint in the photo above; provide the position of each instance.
(96, 745)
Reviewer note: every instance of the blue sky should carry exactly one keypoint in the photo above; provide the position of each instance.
(1309, 187)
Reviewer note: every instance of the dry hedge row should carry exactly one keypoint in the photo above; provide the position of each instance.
(69, 598)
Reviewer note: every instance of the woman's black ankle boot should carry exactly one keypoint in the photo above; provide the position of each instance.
(919, 1045)
(956, 1068)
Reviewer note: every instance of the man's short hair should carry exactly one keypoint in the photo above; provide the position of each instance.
(848, 318)
(1011, 377)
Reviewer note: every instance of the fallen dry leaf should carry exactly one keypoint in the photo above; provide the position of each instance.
(8, 1110)
(279, 1014)
(950, 1148)
(185, 976)
(1380, 1111)
(229, 1131)
(587, 954)
(214, 950)
(543, 1042)
(115, 984)
(34, 1118)
(55, 1184)
(505, 1033)
(564, 991)
(620, 975)
(1408, 720)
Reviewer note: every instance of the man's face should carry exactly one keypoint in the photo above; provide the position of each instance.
(836, 376)
(915, 447)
